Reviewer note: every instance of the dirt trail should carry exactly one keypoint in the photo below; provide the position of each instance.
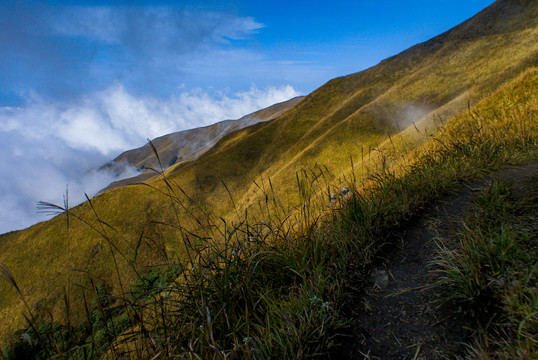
(398, 317)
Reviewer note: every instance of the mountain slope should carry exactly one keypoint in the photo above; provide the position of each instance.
(187, 145)
(438, 77)
(339, 124)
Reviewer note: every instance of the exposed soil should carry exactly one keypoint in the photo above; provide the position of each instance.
(398, 315)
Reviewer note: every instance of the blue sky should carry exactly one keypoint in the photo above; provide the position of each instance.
(82, 81)
(61, 50)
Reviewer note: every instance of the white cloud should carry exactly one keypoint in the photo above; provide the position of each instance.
(45, 146)
(72, 54)
(64, 51)
(97, 23)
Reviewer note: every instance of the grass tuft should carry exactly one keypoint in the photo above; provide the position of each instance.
(492, 273)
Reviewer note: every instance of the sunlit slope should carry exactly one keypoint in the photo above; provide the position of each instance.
(350, 114)
(343, 120)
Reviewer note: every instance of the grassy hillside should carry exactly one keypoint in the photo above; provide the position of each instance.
(278, 290)
(336, 134)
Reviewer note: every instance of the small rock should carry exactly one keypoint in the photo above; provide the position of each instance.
(25, 337)
(380, 278)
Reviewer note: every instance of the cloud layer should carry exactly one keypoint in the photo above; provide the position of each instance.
(47, 145)
(65, 51)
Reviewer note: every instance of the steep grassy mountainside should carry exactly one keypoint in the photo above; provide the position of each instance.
(338, 130)
(187, 145)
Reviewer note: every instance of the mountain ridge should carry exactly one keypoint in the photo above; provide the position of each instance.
(186, 145)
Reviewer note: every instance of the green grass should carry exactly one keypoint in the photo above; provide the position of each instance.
(492, 273)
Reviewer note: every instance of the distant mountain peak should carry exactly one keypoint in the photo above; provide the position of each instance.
(186, 145)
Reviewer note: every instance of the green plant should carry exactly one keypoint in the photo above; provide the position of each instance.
(491, 274)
